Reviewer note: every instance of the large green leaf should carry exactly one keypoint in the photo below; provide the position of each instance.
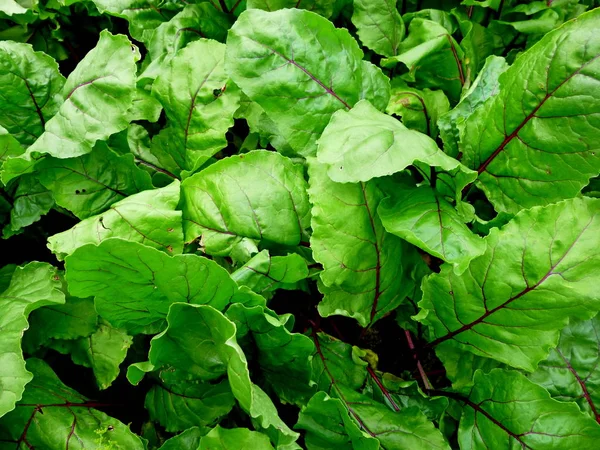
(284, 357)
(365, 143)
(512, 301)
(199, 101)
(53, 416)
(134, 285)
(572, 372)
(97, 97)
(425, 219)
(258, 196)
(149, 217)
(363, 273)
(379, 25)
(264, 273)
(89, 184)
(535, 142)
(191, 24)
(509, 411)
(103, 351)
(30, 84)
(31, 287)
(298, 85)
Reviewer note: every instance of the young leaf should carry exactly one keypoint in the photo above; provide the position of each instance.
(89, 184)
(364, 143)
(30, 84)
(535, 142)
(134, 284)
(31, 287)
(298, 85)
(425, 219)
(363, 274)
(571, 372)
(51, 415)
(509, 411)
(97, 97)
(379, 25)
(512, 301)
(259, 196)
(149, 217)
(198, 117)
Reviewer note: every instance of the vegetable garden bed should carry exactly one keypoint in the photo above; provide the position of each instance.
(314, 224)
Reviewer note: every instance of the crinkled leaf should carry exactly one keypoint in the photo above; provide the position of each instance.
(379, 25)
(426, 219)
(363, 275)
(258, 196)
(365, 143)
(298, 85)
(149, 217)
(512, 301)
(434, 59)
(98, 95)
(31, 287)
(284, 357)
(485, 86)
(571, 372)
(535, 142)
(268, 273)
(134, 285)
(103, 351)
(30, 86)
(419, 109)
(509, 411)
(199, 101)
(89, 184)
(51, 415)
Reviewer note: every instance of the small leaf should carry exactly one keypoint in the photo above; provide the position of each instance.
(379, 25)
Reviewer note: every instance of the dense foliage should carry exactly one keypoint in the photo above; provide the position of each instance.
(285, 224)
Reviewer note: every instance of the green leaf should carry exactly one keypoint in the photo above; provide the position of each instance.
(571, 372)
(31, 202)
(149, 217)
(268, 57)
(134, 285)
(268, 273)
(328, 425)
(103, 352)
(363, 275)
(284, 357)
(9, 146)
(51, 415)
(434, 59)
(234, 439)
(257, 196)
(424, 218)
(188, 440)
(191, 24)
(419, 109)
(379, 25)
(98, 95)
(89, 184)
(321, 7)
(485, 86)
(188, 403)
(199, 101)
(513, 300)
(534, 142)
(364, 143)
(30, 86)
(509, 411)
(31, 287)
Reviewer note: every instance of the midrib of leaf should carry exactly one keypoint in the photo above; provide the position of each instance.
(85, 83)
(525, 291)
(461, 75)
(508, 138)
(134, 228)
(330, 91)
(582, 384)
(35, 103)
(193, 105)
(378, 255)
(85, 175)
